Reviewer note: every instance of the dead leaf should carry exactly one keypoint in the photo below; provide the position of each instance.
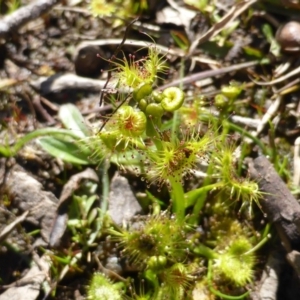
(29, 287)
(60, 224)
(7, 82)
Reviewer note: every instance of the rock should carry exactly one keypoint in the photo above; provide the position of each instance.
(122, 204)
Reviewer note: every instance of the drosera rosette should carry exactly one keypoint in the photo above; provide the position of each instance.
(175, 281)
(236, 262)
(176, 159)
(237, 187)
(155, 63)
(230, 254)
(117, 9)
(173, 159)
(154, 241)
(125, 128)
(120, 141)
(234, 257)
(134, 73)
(100, 8)
(230, 248)
(102, 288)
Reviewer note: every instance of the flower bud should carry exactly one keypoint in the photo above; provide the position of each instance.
(155, 110)
(142, 92)
(157, 96)
(231, 91)
(173, 98)
(157, 262)
(143, 104)
(221, 100)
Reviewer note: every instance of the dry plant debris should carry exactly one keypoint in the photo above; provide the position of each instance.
(183, 183)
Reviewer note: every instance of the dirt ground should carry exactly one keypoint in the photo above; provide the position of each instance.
(54, 53)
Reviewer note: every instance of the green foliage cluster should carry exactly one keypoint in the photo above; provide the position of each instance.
(118, 8)
(154, 138)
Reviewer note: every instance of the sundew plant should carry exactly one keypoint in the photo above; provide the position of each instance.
(195, 242)
(168, 250)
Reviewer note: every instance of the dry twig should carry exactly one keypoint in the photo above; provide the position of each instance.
(23, 15)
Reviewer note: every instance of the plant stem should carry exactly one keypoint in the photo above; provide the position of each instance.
(205, 251)
(104, 203)
(177, 195)
(198, 197)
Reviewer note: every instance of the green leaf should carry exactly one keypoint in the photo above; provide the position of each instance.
(66, 150)
(6, 151)
(274, 48)
(9, 151)
(89, 202)
(72, 119)
(180, 40)
(193, 196)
